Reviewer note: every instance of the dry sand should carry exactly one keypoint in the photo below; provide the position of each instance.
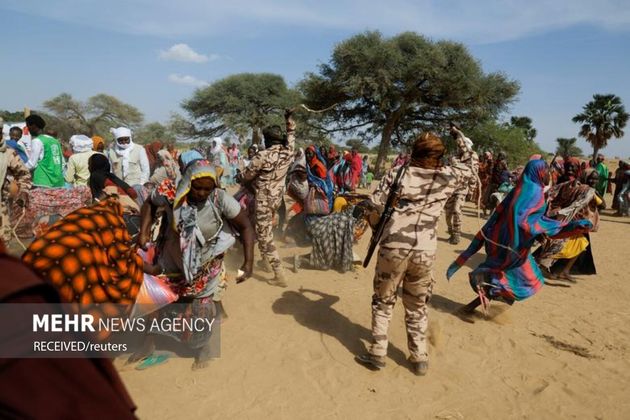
(288, 353)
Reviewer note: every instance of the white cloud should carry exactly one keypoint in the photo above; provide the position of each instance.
(465, 20)
(186, 80)
(182, 52)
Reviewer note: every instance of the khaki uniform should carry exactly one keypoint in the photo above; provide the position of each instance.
(266, 173)
(12, 169)
(407, 252)
(453, 207)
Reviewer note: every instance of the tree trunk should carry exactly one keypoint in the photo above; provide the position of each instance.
(256, 135)
(595, 153)
(383, 148)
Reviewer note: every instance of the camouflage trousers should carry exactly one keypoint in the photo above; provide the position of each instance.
(264, 233)
(453, 210)
(5, 223)
(413, 270)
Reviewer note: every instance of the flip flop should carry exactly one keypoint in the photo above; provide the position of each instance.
(153, 360)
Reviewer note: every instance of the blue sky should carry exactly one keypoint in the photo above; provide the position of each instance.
(153, 53)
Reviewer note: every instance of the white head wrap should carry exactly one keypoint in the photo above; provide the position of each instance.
(81, 143)
(123, 150)
(218, 146)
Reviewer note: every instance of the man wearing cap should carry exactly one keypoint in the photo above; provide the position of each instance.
(129, 160)
(46, 159)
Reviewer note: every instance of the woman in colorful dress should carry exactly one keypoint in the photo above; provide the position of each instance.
(509, 272)
(190, 256)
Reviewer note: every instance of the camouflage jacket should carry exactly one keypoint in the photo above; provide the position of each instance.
(422, 197)
(16, 171)
(267, 171)
(470, 159)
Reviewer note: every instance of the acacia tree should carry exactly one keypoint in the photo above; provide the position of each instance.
(94, 116)
(525, 124)
(392, 87)
(567, 147)
(602, 119)
(240, 103)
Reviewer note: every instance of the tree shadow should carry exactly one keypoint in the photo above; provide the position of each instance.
(319, 315)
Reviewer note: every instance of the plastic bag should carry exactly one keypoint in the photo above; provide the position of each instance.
(154, 294)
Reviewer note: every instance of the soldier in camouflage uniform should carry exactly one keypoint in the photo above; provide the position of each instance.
(453, 208)
(13, 173)
(266, 173)
(408, 247)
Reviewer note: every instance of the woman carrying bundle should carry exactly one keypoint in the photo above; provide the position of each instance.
(191, 254)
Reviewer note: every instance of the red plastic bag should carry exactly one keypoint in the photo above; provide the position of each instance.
(155, 293)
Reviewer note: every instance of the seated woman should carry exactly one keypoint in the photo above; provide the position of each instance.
(571, 200)
(509, 271)
(191, 253)
(332, 235)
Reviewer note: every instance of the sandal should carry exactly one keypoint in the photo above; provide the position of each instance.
(153, 360)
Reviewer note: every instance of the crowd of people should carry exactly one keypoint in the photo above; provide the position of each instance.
(104, 203)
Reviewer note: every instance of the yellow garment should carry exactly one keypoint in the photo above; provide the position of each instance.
(339, 204)
(572, 248)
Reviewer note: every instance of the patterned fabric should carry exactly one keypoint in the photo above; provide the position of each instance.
(422, 198)
(332, 237)
(509, 270)
(413, 271)
(48, 201)
(88, 257)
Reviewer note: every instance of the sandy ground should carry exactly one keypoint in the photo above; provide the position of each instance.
(288, 353)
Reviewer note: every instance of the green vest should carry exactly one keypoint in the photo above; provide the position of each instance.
(49, 170)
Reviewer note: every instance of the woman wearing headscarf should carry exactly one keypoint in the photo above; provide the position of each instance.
(98, 144)
(217, 155)
(152, 150)
(129, 161)
(166, 167)
(331, 235)
(571, 200)
(190, 256)
(509, 272)
(77, 170)
(572, 170)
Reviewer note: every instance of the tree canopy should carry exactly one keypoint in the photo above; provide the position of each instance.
(567, 147)
(241, 103)
(602, 119)
(494, 137)
(391, 87)
(525, 124)
(94, 116)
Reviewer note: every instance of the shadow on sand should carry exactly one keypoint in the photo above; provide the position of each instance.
(318, 315)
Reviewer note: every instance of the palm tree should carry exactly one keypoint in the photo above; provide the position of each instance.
(567, 147)
(602, 118)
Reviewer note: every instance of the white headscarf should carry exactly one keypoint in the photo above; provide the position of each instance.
(122, 150)
(218, 147)
(81, 143)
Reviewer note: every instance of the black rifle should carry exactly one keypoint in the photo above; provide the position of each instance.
(385, 216)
